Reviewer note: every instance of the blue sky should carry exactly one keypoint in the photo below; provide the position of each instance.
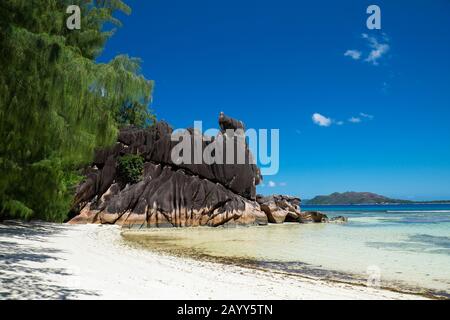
(274, 64)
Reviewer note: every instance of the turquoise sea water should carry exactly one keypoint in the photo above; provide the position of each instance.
(407, 245)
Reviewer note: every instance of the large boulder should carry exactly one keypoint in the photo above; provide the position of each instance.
(313, 216)
(172, 193)
(156, 144)
(181, 194)
(280, 208)
(171, 198)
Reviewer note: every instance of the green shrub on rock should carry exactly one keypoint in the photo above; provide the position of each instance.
(130, 168)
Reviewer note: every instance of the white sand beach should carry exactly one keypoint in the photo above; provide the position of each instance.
(54, 261)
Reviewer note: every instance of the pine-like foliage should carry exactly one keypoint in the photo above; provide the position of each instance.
(56, 103)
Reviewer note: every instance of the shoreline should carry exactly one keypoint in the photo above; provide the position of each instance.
(308, 272)
(54, 261)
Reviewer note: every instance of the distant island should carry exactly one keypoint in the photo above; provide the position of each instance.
(348, 198)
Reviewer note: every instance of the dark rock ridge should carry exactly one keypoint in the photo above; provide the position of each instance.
(178, 194)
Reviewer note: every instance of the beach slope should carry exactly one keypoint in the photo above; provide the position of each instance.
(53, 261)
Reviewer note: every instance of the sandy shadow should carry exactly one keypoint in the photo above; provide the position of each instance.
(21, 276)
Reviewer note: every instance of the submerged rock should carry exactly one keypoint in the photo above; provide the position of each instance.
(338, 219)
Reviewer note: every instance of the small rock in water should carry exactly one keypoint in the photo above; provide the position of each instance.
(313, 216)
(339, 219)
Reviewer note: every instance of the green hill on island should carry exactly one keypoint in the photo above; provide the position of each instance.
(353, 198)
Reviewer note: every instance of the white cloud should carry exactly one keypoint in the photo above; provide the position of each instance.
(273, 184)
(354, 54)
(324, 121)
(354, 120)
(361, 117)
(367, 116)
(321, 120)
(378, 49)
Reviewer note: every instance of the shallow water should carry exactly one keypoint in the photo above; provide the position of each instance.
(408, 245)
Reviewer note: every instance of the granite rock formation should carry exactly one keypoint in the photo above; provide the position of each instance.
(156, 145)
(168, 197)
(227, 123)
(179, 194)
(338, 219)
(279, 208)
(313, 216)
